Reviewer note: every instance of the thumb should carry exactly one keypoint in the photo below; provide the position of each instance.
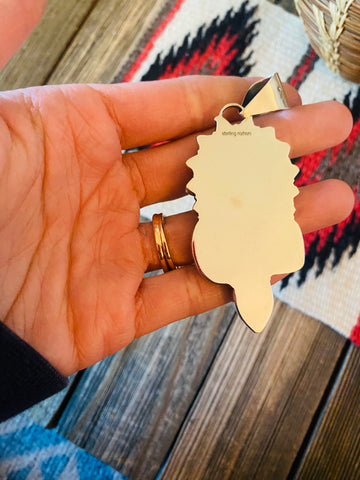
(17, 20)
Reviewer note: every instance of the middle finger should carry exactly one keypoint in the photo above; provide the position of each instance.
(160, 173)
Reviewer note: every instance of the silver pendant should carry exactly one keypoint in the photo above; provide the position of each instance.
(244, 188)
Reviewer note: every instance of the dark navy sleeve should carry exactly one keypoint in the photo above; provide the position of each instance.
(26, 377)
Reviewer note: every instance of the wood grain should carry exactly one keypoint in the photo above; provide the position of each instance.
(34, 62)
(106, 41)
(258, 401)
(128, 409)
(334, 450)
(44, 412)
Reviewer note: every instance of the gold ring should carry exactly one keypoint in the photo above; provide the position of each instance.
(162, 248)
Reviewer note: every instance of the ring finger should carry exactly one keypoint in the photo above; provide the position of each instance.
(317, 206)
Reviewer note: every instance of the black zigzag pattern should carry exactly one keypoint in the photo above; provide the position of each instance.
(354, 106)
(238, 26)
(349, 237)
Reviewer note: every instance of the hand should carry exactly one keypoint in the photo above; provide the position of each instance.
(72, 252)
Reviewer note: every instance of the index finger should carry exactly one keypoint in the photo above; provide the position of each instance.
(156, 111)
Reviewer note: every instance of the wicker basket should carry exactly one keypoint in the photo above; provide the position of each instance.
(333, 27)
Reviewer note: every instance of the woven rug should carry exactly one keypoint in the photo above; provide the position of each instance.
(255, 37)
(31, 452)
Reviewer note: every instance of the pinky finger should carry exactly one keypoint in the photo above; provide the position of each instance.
(178, 294)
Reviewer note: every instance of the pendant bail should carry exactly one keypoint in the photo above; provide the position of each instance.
(265, 96)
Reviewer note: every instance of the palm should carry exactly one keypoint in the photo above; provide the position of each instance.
(81, 257)
(73, 254)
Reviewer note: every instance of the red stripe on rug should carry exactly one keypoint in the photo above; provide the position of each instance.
(138, 62)
(334, 153)
(325, 232)
(355, 333)
(308, 240)
(302, 70)
(323, 236)
(342, 225)
(308, 164)
(355, 132)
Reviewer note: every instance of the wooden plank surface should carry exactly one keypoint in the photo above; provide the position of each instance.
(258, 401)
(44, 412)
(334, 449)
(106, 40)
(128, 409)
(35, 61)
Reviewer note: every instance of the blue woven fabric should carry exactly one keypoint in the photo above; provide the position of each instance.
(28, 450)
